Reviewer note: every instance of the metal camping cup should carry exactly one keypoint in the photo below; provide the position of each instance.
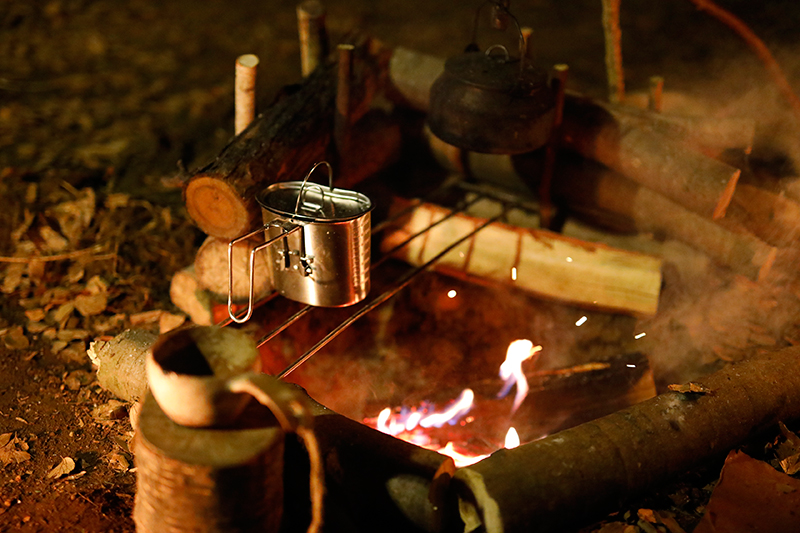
(321, 237)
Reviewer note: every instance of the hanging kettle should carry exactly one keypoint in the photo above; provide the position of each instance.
(490, 101)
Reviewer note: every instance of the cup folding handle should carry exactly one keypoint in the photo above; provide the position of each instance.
(251, 265)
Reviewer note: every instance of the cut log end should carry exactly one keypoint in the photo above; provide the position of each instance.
(727, 196)
(217, 208)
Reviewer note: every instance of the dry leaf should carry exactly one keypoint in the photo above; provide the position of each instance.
(169, 321)
(12, 449)
(75, 216)
(746, 489)
(63, 468)
(15, 338)
(13, 278)
(91, 304)
(54, 242)
(691, 387)
(35, 315)
(112, 410)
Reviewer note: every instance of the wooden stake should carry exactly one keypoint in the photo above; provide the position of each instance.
(613, 39)
(341, 123)
(313, 35)
(655, 94)
(245, 91)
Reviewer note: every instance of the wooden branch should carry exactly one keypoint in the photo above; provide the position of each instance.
(545, 263)
(574, 476)
(282, 144)
(772, 217)
(758, 46)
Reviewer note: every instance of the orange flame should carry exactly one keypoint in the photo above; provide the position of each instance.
(512, 439)
(511, 370)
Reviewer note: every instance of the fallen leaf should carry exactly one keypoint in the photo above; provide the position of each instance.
(13, 277)
(77, 378)
(91, 304)
(747, 487)
(63, 468)
(35, 315)
(15, 338)
(53, 241)
(118, 461)
(146, 317)
(691, 387)
(12, 449)
(111, 410)
(169, 321)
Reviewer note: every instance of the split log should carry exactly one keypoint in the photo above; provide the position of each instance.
(610, 200)
(211, 270)
(579, 474)
(545, 263)
(285, 141)
(188, 296)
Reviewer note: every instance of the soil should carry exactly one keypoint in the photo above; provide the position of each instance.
(106, 102)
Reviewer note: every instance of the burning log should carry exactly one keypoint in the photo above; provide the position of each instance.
(545, 263)
(577, 474)
(284, 141)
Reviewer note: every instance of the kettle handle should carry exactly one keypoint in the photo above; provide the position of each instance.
(251, 266)
(500, 7)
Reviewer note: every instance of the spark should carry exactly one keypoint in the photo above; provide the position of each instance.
(581, 321)
(514, 273)
(630, 366)
(640, 335)
(569, 260)
(451, 293)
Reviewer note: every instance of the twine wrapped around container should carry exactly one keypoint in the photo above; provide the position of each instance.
(211, 480)
(210, 444)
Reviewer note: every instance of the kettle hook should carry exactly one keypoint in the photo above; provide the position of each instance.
(501, 14)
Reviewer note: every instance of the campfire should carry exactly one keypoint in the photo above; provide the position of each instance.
(449, 294)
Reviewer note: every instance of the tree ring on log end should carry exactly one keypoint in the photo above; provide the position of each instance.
(216, 208)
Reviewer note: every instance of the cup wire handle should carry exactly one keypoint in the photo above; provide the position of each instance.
(251, 266)
(301, 194)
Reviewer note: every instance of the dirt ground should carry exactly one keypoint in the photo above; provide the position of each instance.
(102, 103)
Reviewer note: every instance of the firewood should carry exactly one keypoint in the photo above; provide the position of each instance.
(610, 200)
(699, 183)
(211, 270)
(245, 92)
(545, 263)
(647, 148)
(284, 142)
(772, 217)
(187, 295)
(120, 363)
(576, 475)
